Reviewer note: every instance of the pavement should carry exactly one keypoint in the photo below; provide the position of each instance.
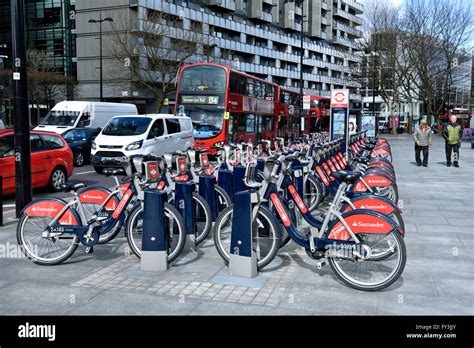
(437, 205)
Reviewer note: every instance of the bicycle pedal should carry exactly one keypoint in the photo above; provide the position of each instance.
(89, 250)
(321, 264)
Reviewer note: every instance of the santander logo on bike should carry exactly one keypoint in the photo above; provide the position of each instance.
(122, 204)
(367, 224)
(45, 209)
(381, 207)
(88, 196)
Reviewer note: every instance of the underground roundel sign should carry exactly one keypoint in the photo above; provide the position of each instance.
(340, 98)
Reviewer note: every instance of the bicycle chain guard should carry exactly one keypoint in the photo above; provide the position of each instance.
(94, 238)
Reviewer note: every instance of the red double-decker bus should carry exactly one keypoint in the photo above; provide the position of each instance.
(463, 115)
(318, 114)
(226, 105)
(289, 117)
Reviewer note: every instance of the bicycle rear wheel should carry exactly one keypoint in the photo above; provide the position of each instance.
(52, 250)
(265, 236)
(372, 274)
(174, 227)
(222, 198)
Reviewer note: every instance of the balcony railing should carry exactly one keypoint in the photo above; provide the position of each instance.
(225, 4)
(347, 29)
(355, 5)
(347, 15)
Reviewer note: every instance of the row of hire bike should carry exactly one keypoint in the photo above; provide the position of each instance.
(341, 211)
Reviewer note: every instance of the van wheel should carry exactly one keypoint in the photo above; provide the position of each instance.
(79, 159)
(58, 177)
(98, 170)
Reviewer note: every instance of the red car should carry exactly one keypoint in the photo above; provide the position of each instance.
(51, 160)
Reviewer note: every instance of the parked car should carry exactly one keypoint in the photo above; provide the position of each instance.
(125, 136)
(80, 140)
(81, 114)
(51, 160)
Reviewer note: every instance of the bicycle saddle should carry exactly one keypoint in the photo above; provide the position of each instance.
(347, 176)
(113, 171)
(72, 187)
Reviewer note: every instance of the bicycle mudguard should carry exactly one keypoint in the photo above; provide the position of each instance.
(371, 202)
(361, 221)
(382, 171)
(373, 180)
(379, 152)
(98, 195)
(380, 165)
(51, 207)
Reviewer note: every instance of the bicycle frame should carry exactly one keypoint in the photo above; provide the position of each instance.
(91, 226)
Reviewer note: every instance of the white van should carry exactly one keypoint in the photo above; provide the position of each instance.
(66, 115)
(125, 136)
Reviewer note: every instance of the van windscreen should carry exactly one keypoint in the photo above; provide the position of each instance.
(127, 126)
(60, 118)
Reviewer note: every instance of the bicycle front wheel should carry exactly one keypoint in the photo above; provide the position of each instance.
(313, 192)
(202, 217)
(372, 274)
(41, 250)
(265, 236)
(175, 230)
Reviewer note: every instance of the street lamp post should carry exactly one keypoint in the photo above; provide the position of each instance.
(301, 68)
(21, 122)
(100, 21)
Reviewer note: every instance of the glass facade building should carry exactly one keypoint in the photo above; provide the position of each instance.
(50, 27)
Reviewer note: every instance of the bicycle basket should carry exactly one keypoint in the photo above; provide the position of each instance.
(152, 171)
(181, 165)
(204, 160)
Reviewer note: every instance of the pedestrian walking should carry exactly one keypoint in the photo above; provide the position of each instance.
(423, 141)
(452, 134)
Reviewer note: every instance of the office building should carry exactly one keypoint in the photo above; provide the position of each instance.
(260, 37)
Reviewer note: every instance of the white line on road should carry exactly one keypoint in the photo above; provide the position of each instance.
(93, 171)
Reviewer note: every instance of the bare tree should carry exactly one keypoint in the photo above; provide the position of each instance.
(435, 34)
(152, 51)
(44, 82)
(381, 29)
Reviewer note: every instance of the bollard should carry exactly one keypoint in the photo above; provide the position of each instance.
(226, 181)
(239, 175)
(154, 238)
(206, 189)
(1, 201)
(243, 260)
(183, 201)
